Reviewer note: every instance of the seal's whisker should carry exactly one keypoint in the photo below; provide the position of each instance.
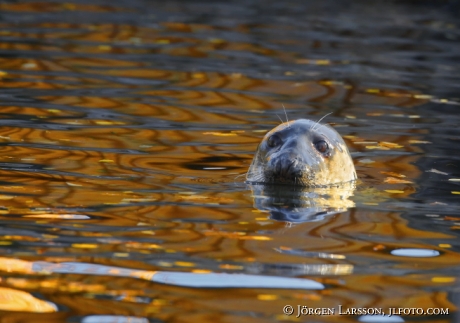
(256, 172)
(237, 176)
(256, 176)
(259, 180)
(279, 118)
(285, 113)
(317, 122)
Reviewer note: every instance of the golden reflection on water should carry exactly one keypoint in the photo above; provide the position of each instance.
(14, 300)
(107, 157)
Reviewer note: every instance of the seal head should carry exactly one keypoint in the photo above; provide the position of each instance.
(302, 153)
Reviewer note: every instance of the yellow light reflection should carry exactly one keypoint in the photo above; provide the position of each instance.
(15, 300)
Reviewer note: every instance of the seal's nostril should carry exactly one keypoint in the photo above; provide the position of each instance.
(278, 168)
(287, 168)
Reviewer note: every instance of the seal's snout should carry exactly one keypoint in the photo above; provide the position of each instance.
(287, 167)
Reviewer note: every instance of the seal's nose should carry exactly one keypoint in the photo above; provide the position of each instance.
(288, 167)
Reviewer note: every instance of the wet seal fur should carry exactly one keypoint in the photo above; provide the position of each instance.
(302, 153)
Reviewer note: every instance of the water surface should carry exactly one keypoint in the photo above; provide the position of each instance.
(127, 127)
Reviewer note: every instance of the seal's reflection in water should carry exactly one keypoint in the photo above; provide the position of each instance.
(302, 204)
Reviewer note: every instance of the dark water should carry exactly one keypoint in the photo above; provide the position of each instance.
(125, 127)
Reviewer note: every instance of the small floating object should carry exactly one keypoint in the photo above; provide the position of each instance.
(380, 319)
(412, 252)
(113, 319)
(221, 280)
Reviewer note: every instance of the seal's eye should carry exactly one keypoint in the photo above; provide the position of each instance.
(273, 141)
(322, 146)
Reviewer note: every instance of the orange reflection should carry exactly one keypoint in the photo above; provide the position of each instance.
(15, 300)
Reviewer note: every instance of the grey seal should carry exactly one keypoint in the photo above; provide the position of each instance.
(302, 153)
